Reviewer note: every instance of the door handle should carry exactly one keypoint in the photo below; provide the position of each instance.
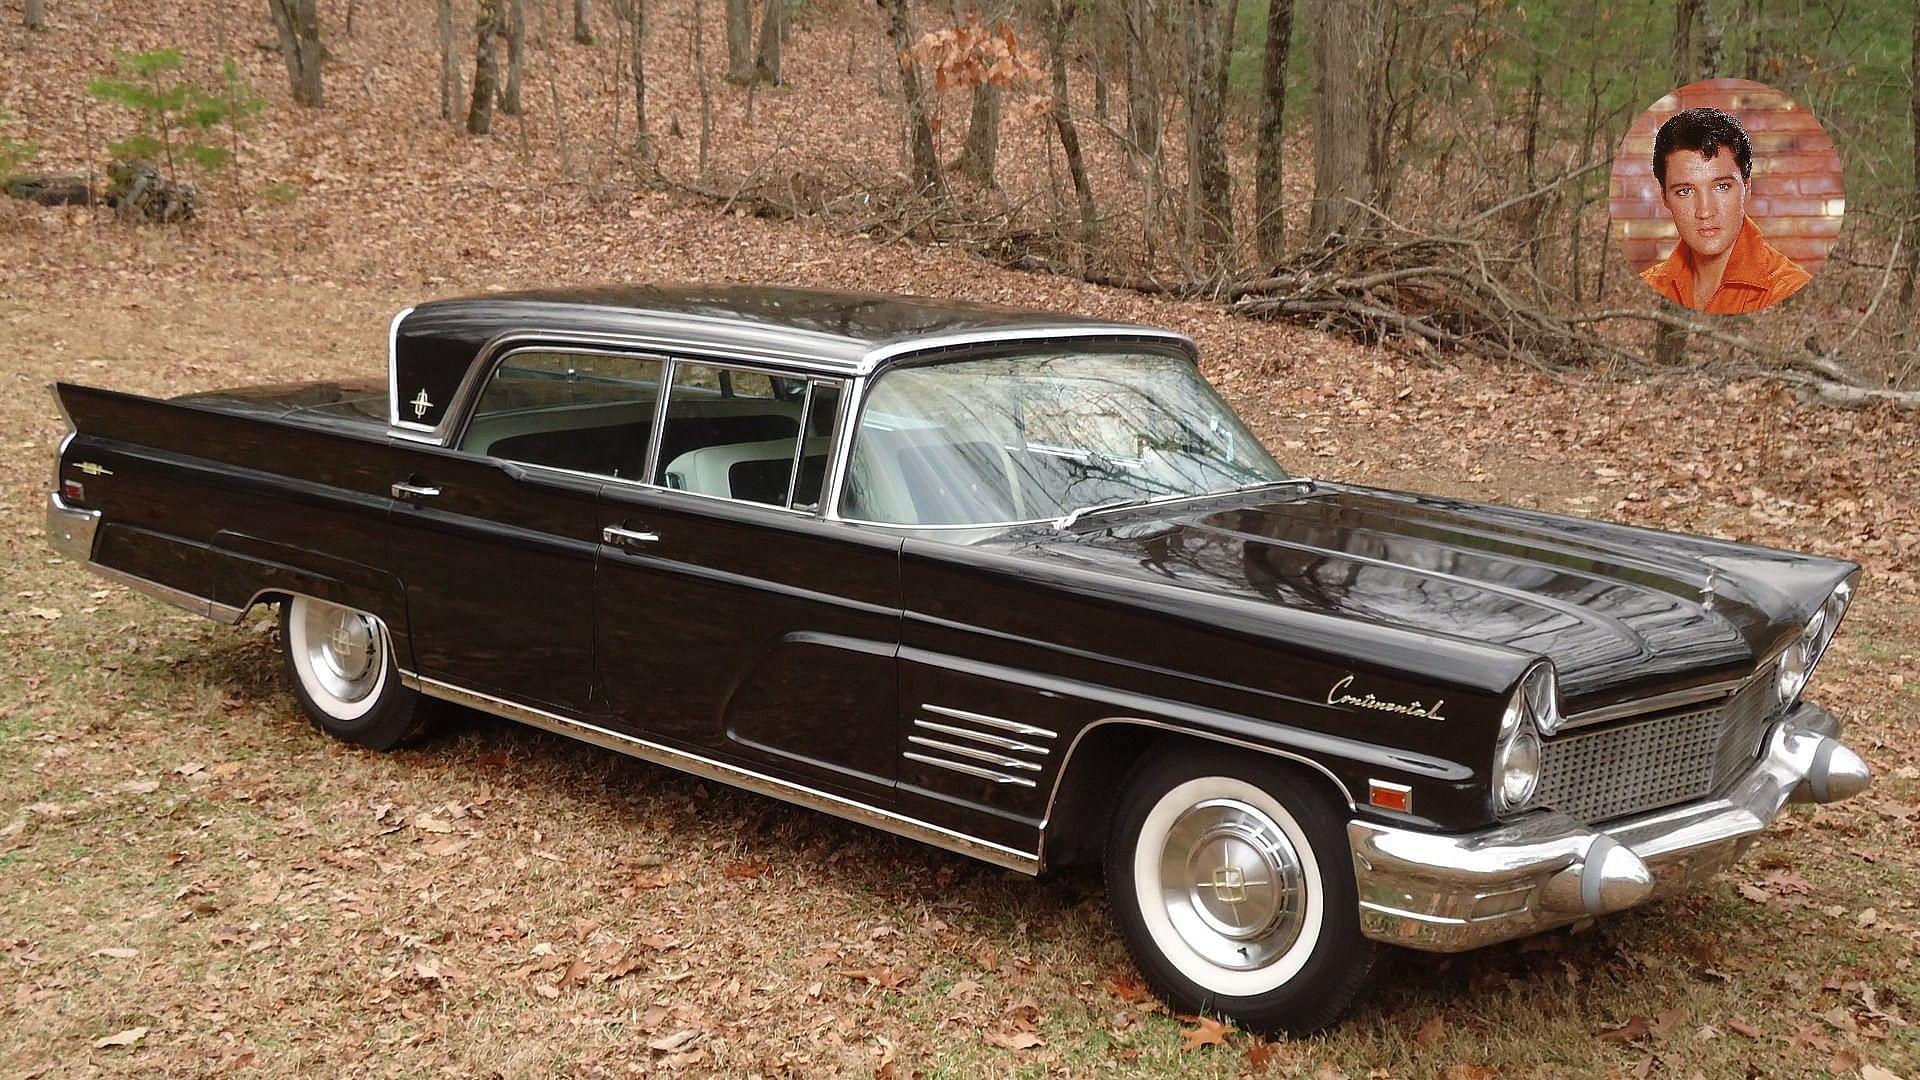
(626, 538)
(407, 491)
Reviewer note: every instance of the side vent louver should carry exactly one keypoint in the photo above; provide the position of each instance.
(985, 747)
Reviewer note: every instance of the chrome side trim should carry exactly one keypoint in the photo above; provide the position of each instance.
(1656, 703)
(179, 598)
(71, 531)
(969, 770)
(1161, 725)
(982, 737)
(992, 721)
(975, 753)
(708, 768)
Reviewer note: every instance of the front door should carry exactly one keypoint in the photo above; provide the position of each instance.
(495, 537)
(730, 619)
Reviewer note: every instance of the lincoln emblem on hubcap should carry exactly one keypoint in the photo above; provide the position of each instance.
(1230, 884)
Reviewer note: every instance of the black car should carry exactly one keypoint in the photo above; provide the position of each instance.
(1014, 584)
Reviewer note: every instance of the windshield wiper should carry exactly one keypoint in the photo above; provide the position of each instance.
(1067, 520)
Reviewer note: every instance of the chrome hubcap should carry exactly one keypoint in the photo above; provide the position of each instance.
(343, 650)
(1232, 884)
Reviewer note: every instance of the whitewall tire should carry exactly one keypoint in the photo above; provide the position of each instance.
(1232, 883)
(340, 661)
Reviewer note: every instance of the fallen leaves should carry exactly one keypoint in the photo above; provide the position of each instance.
(1206, 1032)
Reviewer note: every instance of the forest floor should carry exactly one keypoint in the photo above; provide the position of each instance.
(195, 882)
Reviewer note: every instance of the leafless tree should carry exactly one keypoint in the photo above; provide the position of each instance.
(1912, 270)
(452, 83)
(1670, 341)
(1342, 34)
(1061, 13)
(739, 41)
(1143, 94)
(1210, 187)
(1269, 225)
(926, 162)
(640, 144)
(700, 78)
(516, 56)
(766, 62)
(298, 23)
(486, 67)
(582, 23)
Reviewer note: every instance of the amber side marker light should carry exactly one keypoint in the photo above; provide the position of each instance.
(1390, 796)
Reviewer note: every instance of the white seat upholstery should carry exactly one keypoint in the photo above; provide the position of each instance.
(707, 469)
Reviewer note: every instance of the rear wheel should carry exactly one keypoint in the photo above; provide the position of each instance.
(341, 665)
(1232, 883)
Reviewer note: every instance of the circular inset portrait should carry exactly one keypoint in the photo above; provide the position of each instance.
(1726, 196)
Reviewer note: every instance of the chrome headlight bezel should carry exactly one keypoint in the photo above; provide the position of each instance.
(1533, 709)
(1798, 660)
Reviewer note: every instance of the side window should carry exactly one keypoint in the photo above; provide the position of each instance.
(737, 434)
(586, 412)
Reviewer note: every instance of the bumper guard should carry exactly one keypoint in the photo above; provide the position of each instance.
(1453, 892)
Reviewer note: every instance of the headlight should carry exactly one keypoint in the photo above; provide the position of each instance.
(1797, 662)
(1519, 770)
(1535, 706)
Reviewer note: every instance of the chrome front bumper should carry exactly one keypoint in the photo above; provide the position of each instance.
(1452, 892)
(69, 530)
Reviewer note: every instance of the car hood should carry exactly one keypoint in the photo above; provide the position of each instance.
(1619, 609)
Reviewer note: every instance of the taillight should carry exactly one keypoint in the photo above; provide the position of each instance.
(73, 491)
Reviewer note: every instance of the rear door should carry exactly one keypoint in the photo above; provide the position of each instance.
(496, 536)
(730, 618)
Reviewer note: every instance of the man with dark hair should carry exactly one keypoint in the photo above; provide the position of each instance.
(1703, 163)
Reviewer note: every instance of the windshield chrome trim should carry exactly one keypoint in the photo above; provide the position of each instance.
(882, 355)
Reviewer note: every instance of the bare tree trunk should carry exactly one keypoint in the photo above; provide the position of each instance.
(486, 68)
(926, 162)
(1062, 12)
(982, 149)
(1143, 96)
(739, 41)
(981, 152)
(766, 65)
(298, 22)
(700, 77)
(582, 23)
(640, 144)
(1340, 120)
(36, 14)
(516, 56)
(1210, 189)
(1269, 226)
(452, 83)
(1913, 221)
(1098, 36)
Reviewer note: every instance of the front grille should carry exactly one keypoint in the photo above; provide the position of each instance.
(1647, 764)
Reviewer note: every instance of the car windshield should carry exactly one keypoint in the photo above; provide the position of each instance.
(1034, 436)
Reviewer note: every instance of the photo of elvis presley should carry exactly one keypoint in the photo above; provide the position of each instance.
(1703, 163)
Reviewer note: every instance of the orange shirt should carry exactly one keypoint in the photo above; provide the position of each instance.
(1756, 276)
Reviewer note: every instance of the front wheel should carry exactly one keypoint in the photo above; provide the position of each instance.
(342, 668)
(1232, 883)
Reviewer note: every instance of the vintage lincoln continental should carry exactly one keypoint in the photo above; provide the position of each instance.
(1014, 584)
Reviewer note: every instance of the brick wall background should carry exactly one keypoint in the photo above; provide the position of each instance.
(1797, 196)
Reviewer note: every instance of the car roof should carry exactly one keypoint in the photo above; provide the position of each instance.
(823, 330)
